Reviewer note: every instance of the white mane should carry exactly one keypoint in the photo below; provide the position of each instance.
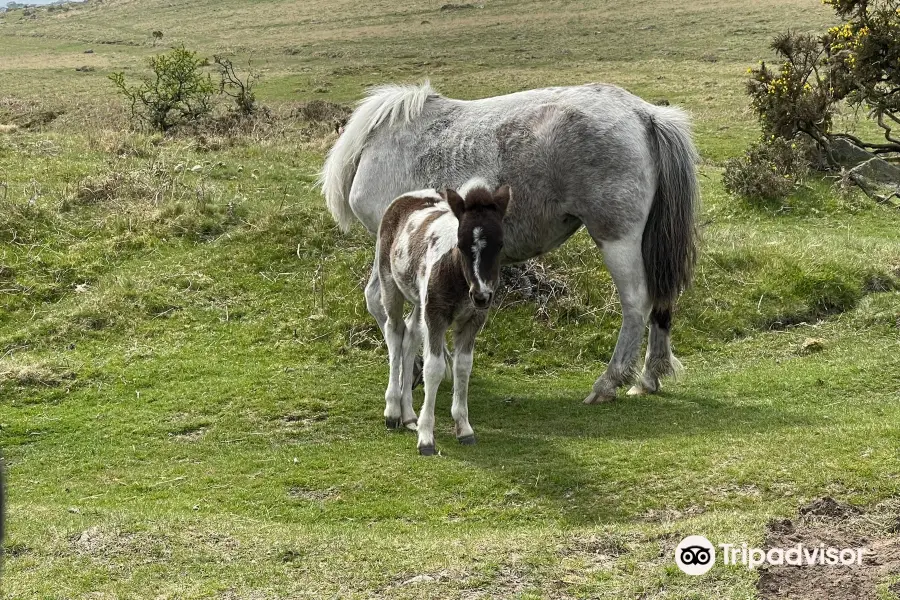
(386, 103)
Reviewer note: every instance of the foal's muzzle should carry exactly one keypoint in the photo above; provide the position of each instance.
(481, 300)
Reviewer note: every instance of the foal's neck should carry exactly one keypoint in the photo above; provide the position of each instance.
(456, 264)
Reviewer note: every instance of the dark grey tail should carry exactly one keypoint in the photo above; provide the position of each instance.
(669, 244)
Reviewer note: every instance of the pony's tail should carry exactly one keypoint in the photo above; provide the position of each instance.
(335, 180)
(669, 243)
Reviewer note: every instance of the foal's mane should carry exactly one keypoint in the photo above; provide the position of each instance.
(479, 198)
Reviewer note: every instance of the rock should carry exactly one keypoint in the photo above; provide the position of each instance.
(865, 163)
(812, 345)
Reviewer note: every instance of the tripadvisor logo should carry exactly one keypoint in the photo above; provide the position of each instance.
(696, 555)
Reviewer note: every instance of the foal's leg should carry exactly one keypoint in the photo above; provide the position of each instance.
(659, 362)
(412, 343)
(433, 372)
(373, 297)
(463, 350)
(376, 309)
(625, 263)
(394, 330)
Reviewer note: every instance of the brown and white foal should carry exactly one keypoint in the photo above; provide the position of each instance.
(441, 252)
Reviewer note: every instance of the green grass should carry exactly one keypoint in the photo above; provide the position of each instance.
(191, 389)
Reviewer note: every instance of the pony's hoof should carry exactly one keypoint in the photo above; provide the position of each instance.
(638, 390)
(595, 398)
(412, 425)
(392, 422)
(427, 450)
(467, 440)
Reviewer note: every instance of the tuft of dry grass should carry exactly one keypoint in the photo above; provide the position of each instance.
(34, 374)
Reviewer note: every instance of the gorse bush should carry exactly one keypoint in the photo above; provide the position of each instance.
(770, 169)
(857, 62)
(864, 59)
(795, 97)
(177, 91)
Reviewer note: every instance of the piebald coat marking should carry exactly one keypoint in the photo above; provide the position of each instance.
(440, 252)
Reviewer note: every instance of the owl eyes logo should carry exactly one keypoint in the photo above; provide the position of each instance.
(695, 555)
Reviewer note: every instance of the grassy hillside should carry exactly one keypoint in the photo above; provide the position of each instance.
(191, 388)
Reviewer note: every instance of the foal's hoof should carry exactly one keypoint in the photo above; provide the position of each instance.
(467, 440)
(427, 450)
(392, 422)
(595, 398)
(412, 425)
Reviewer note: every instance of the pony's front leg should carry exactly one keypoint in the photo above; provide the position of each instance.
(463, 353)
(433, 373)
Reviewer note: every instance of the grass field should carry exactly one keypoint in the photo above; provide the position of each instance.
(191, 388)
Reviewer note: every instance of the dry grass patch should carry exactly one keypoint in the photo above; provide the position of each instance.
(37, 374)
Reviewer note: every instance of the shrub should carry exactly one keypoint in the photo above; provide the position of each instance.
(797, 97)
(177, 91)
(770, 169)
(237, 88)
(864, 60)
(857, 61)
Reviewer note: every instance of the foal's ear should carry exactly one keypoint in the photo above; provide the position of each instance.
(457, 204)
(502, 196)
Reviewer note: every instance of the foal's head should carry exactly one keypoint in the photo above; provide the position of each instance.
(480, 238)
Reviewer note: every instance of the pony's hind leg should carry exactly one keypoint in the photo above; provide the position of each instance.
(659, 362)
(375, 307)
(394, 330)
(373, 297)
(412, 343)
(625, 263)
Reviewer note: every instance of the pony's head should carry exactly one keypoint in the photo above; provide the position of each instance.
(480, 238)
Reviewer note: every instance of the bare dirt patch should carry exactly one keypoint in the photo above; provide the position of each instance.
(834, 524)
(314, 495)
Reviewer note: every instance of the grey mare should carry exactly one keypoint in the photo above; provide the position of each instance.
(592, 155)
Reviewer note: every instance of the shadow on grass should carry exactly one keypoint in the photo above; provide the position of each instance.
(610, 462)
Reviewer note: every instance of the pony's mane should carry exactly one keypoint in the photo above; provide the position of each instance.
(383, 104)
